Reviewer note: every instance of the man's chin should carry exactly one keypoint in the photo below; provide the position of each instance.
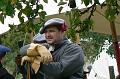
(49, 42)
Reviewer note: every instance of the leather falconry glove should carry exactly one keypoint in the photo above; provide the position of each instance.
(36, 54)
(39, 50)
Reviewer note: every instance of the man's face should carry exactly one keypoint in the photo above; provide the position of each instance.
(53, 35)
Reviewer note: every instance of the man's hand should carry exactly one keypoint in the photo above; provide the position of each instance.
(28, 59)
(35, 62)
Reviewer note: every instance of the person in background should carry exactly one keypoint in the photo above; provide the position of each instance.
(4, 74)
(37, 39)
(68, 58)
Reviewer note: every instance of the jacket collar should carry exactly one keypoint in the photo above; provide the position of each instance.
(61, 43)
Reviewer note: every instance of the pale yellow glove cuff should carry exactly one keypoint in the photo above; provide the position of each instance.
(36, 64)
(35, 67)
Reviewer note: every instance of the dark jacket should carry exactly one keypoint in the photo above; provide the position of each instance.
(68, 62)
(4, 73)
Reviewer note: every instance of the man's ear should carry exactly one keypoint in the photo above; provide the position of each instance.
(63, 27)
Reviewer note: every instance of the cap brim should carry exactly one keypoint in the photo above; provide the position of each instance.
(45, 27)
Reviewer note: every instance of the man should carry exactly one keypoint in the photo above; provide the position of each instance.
(68, 58)
(4, 74)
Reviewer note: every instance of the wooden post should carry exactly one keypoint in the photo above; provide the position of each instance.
(116, 45)
(31, 36)
(27, 63)
(111, 72)
(28, 70)
(77, 36)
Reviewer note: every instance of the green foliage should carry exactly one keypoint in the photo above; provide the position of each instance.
(92, 44)
(10, 10)
(111, 51)
(29, 9)
(112, 9)
(71, 34)
(86, 25)
(78, 25)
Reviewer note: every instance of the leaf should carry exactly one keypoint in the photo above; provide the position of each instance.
(27, 10)
(30, 26)
(96, 1)
(40, 6)
(32, 1)
(87, 2)
(2, 4)
(42, 13)
(46, 1)
(19, 6)
(61, 3)
(60, 9)
(2, 18)
(42, 16)
(10, 10)
(11, 26)
(21, 19)
(19, 14)
(110, 14)
(55, 1)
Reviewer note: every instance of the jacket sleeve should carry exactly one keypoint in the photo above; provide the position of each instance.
(71, 61)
